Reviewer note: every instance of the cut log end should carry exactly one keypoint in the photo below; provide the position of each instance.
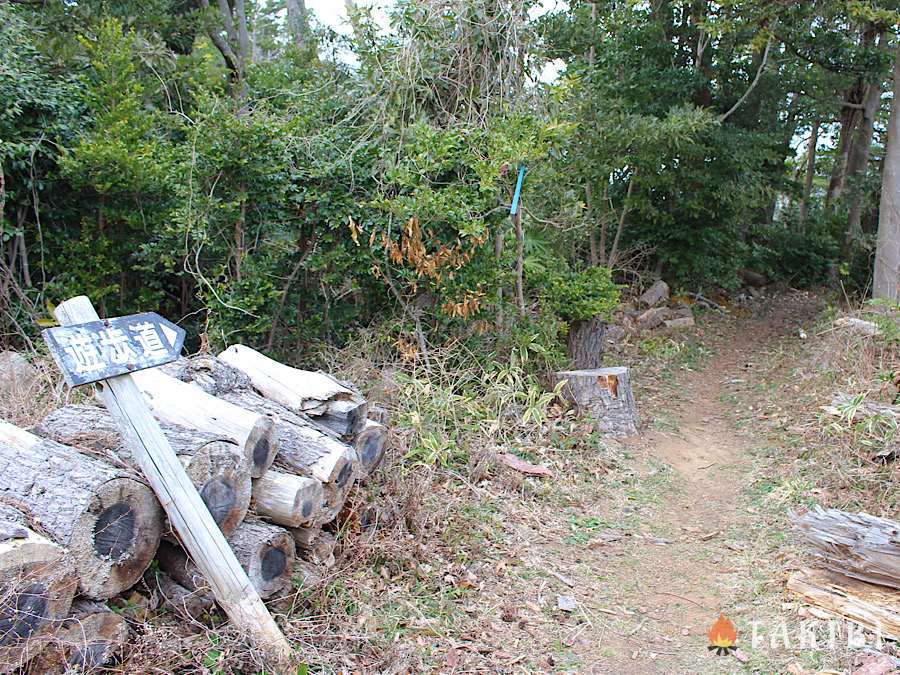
(37, 582)
(370, 447)
(115, 540)
(261, 447)
(221, 472)
(267, 553)
(286, 499)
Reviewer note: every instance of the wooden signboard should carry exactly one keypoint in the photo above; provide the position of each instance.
(98, 350)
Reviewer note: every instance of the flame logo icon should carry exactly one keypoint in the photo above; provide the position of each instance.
(722, 636)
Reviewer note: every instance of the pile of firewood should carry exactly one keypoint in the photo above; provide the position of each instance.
(272, 450)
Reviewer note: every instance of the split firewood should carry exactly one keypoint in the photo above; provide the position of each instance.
(218, 468)
(605, 394)
(37, 583)
(332, 403)
(286, 499)
(181, 404)
(266, 552)
(853, 544)
(108, 519)
(371, 444)
(90, 638)
(876, 608)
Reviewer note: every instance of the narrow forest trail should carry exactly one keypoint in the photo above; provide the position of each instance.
(654, 550)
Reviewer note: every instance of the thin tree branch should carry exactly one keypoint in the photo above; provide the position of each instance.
(753, 84)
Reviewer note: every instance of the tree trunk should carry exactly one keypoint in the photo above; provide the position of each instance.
(315, 394)
(37, 582)
(605, 394)
(585, 340)
(810, 170)
(856, 545)
(266, 552)
(110, 521)
(181, 404)
(858, 161)
(218, 469)
(298, 23)
(887, 252)
(287, 500)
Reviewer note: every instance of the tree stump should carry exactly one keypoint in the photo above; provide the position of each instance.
(604, 394)
(37, 582)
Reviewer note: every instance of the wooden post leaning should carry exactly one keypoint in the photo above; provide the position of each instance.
(189, 516)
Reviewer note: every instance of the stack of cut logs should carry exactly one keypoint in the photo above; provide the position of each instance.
(273, 451)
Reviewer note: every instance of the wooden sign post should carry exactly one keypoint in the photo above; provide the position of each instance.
(90, 350)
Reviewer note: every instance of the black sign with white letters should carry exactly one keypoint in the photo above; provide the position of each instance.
(98, 350)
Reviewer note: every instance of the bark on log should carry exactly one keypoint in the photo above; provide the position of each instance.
(91, 637)
(585, 343)
(266, 552)
(320, 551)
(371, 444)
(181, 404)
(605, 394)
(303, 448)
(110, 521)
(288, 500)
(37, 583)
(860, 546)
(334, 404)
(305, 537)
(184, 603)
(873, 607)
(218, 468)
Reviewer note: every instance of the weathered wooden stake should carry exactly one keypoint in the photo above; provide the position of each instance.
(181, 501)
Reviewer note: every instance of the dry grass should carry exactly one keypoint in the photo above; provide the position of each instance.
(832, 460)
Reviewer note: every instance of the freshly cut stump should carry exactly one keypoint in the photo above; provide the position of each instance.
(110, 521)
(217, 468)
(185, 405)
(370, 447)
(266, 552)
(37, 582)
(335, 404)
(288, 500)
(604, 394)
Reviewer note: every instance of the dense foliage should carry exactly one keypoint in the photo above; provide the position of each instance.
(259, 178)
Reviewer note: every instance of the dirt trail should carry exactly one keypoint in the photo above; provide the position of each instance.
(699, 546)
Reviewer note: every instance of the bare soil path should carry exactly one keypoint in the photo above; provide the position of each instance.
(652, 552)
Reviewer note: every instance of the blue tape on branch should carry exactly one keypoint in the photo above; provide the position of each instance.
(514, 207)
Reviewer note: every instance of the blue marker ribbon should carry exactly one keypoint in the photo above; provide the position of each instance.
(514, 207)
